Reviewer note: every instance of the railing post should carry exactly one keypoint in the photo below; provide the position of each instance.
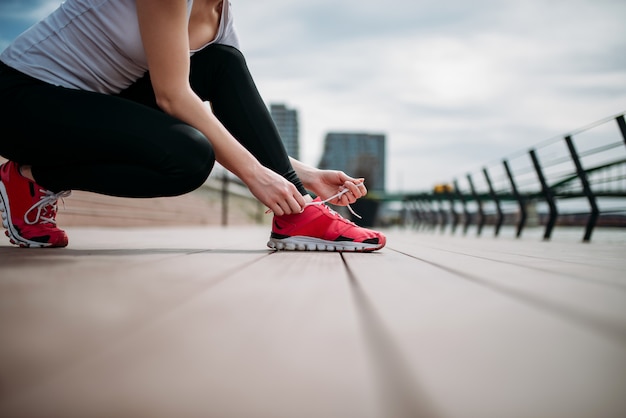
(260, 212)
(622, 126)
(443, 216)
(481, 214)
(419, 222)
(582, 176)
(547, 194)
(518, 197)
(494, 196)
(406, 212)
(225, 200)
(455, 215)
(411, 211)
(467, 218)
(432, 214)
(421, 214)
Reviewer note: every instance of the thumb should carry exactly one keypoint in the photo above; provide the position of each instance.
(343, 177)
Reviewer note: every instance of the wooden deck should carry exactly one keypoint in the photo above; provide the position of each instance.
(206, 322)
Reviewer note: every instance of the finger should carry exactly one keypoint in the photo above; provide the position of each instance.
(346, 198)
(362, 188)
(294, 201)
(355, 190)
(301, 201)
(293, 206)
(344, 177)
(278, 211)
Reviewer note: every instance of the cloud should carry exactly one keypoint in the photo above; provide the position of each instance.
(448, 81)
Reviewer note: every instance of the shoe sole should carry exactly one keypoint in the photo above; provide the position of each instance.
(11, 232)
(315, 244)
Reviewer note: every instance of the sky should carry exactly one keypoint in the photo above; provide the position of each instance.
(453, 84)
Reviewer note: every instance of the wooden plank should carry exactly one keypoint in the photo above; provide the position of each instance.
(473, 349)
(277, 336)
(203, 322)
(596, 259)
(573, 287)
(58, 306)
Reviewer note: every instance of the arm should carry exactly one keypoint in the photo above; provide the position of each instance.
(326, 183)
(164, 32)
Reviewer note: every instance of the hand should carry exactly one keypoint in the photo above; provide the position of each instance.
(327, 183)
(278, 194)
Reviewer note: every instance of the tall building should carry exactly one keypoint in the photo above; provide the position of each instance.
(358, 155)
(286, 121)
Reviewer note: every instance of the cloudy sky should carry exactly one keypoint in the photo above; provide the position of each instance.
(453, 84)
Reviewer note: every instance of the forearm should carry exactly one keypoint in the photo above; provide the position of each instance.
(164, 31)
(305, 172)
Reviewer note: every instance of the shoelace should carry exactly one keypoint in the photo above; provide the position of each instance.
(47, 203)
(341, 193)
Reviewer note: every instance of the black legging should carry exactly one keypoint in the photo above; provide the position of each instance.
(125, 145)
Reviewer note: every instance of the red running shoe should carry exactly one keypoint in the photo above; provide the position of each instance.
(319, 228)
(28, 210)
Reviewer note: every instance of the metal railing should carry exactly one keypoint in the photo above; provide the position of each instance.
(578, 178)
(232, 188)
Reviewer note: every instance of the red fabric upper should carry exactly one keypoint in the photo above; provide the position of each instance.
(319, 221)
(22, 194)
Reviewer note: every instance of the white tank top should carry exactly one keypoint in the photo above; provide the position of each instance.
(92, 45)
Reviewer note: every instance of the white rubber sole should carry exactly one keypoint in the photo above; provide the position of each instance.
(298, 243)
(14, 236)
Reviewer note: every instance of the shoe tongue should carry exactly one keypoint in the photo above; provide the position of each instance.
(49, 211)
(44, 207)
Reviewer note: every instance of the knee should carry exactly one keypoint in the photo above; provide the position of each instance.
(226, 56)
(230, 56)
(194, 158)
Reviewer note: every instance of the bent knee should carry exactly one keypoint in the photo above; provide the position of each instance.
(193, 157)
(228, 55)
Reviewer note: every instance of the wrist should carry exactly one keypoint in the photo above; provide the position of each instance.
(250, 171)
(307, 175)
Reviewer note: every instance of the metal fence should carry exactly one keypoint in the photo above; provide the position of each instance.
(575, 179)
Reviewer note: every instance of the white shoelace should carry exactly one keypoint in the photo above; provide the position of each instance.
(48, 200)
(341, 193)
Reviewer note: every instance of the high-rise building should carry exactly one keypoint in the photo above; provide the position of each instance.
(358, 155)
(286, 121)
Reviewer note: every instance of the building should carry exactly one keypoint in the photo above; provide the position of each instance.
(358, 155)
(286, 121)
